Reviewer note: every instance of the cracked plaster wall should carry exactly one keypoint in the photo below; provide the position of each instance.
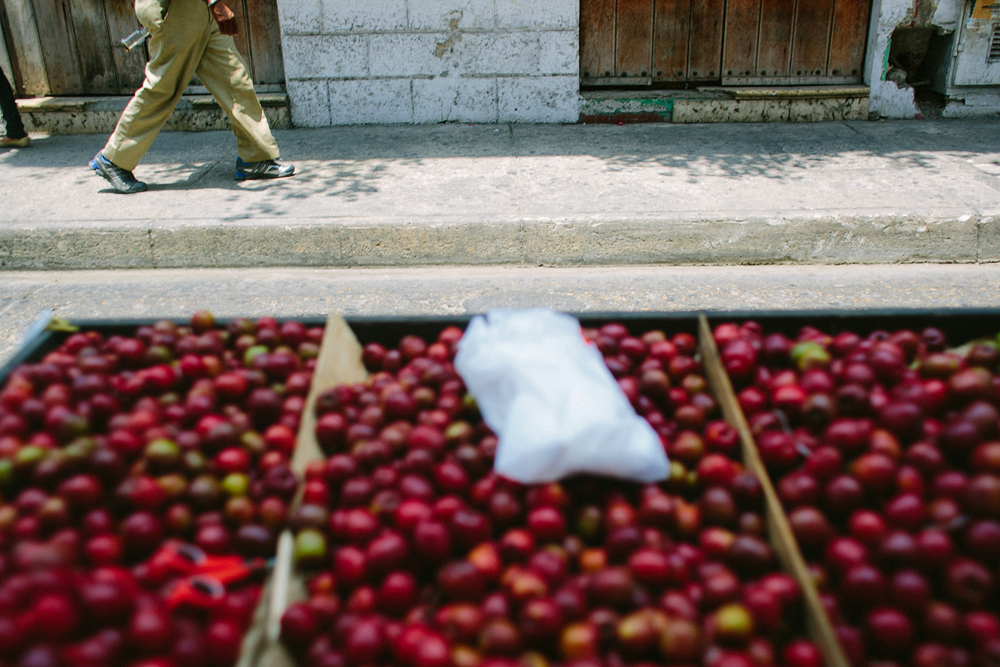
(889, 100)
(427, 61)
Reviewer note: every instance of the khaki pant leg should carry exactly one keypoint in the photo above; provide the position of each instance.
(175, 50)
(225, 74)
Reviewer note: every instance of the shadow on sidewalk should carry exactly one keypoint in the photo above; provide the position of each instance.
(349, 164)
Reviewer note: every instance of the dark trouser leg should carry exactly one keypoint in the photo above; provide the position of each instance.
(15, 130)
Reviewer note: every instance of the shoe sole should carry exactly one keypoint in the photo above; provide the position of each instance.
(100, 172)
(248, 177)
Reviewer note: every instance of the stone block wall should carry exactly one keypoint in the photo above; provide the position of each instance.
(430, 61)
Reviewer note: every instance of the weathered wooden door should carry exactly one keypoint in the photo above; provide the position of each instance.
(732, 42)
(783, 42)
(81, 44)
(76, 38)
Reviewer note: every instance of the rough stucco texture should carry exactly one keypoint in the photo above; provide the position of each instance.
(891, 101)
(887, 99)
(427, 61)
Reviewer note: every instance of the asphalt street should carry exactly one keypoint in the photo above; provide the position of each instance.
(463, 291)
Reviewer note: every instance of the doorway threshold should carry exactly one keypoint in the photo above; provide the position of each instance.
(727, 104)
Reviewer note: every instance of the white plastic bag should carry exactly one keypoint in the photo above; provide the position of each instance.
(552, 402)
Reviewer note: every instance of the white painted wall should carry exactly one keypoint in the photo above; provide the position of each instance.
(427, 61)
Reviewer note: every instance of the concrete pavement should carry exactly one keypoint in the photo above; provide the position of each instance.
(463, 291)
(522, 195)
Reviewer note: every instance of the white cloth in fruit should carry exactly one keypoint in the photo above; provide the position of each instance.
(554, 405)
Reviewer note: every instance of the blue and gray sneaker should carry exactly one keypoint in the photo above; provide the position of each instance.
(246, 171)
(121, 180)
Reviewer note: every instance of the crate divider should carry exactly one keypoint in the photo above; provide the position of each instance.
(779, 530)
(261, 645)
(339, 362)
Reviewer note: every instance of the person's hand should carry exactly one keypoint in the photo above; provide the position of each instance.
(225, 18)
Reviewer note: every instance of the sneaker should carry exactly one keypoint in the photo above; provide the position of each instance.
(246, 171)
(121, 180)
(10, 142)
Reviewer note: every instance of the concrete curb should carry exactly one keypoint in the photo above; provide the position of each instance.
(316, 242)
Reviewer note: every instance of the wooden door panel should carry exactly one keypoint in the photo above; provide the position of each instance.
(671, 30)
(634, 39)
(265, 42)
(82, 53)
(58, 41)
(774, 53)
(242, 44)
(741, 42)
(93, 47)
(130, 66)
(739, 57)
(707, 23)
(849, 36)
(811, 42)
(597, 38)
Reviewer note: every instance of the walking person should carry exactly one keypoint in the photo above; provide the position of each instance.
(16, 137)
(187, 38)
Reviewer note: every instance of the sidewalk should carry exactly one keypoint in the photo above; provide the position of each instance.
(840, 192)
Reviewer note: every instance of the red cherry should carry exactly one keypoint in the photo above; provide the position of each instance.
(232, 459)
(432, 652)
(149, 630)
(801, 653)
(386, 552)
(56, 615)
(432, 541)
(223, 639)
(891, 632)
(397, 593)
(546, 524)
(349, 566)
(364, 643)
(298, 625)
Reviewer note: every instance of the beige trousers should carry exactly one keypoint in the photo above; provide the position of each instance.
(185, 41)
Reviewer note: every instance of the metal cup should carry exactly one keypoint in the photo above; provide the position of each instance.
(135, 39)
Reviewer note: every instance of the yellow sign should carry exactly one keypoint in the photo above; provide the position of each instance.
(986, 9)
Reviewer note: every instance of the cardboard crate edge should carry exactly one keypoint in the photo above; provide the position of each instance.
(29, 348)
